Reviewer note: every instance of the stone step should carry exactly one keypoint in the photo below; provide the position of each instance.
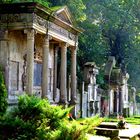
(124, 139)
(107, 132)
(108, 125)
(91, 137)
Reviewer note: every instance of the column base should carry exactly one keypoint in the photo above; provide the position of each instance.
(72, 102)
(62, 102)
(49, 98)
(74, 112)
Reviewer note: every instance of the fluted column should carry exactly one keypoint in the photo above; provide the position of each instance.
(55, 72)
(30, 60)
(73, 76)
(45, 69)
(63, 91)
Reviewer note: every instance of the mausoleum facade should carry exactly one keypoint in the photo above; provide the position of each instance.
(34, 41)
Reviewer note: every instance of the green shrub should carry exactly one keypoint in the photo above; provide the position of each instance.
(3, 95)
(91, 123)
(36, 119)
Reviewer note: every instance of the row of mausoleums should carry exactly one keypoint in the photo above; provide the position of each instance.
(117, 97)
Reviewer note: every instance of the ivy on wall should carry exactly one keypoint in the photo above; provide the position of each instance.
(3, 95)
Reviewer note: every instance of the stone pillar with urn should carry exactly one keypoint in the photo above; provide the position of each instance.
(91, 71)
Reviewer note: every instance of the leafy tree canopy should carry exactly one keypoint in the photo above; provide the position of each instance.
(76, 7)
(116, 24)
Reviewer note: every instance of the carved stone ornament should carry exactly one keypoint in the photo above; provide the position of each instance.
(30, 33)
(71, 36)
(39, 21)
(11, 18)
(55, 28)
(38, 54)
(3, 34)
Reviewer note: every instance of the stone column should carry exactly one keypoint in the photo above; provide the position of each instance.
(55, 73)
(115, 101)
(69, 89)
(133, 90)
(30, 60)
(120, 100)
(82, 101)
(45, 69)
(73, 76)
(111, 103)
(63, 71)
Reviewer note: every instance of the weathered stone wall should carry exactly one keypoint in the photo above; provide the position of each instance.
(4, 52)
(17, 49)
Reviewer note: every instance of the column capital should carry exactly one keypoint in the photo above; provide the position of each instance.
(73, 50)
(47, 39)
(76, 42)
(64, 44)
(3, 34)
(30, 33)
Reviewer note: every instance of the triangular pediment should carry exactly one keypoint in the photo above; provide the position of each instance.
(64, 14)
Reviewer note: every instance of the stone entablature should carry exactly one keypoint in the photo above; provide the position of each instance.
(37, 18)
(22, 21)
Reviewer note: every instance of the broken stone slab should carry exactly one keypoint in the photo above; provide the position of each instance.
(132, 133)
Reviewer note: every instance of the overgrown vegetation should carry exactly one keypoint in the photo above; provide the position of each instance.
(91, 123)
(3, 94)
(43, 2)
(36, 119)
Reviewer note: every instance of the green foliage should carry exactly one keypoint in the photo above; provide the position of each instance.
(36, 119)
(76, 7)
(3, 95)
(131, 120)
(69, 131)
(91, 123)
(43, 2)
(111, 28)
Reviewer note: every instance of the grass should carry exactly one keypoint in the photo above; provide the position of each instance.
(131, 120)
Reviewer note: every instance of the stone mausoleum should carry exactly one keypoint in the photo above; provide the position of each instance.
(34, 41)
(116, 79)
